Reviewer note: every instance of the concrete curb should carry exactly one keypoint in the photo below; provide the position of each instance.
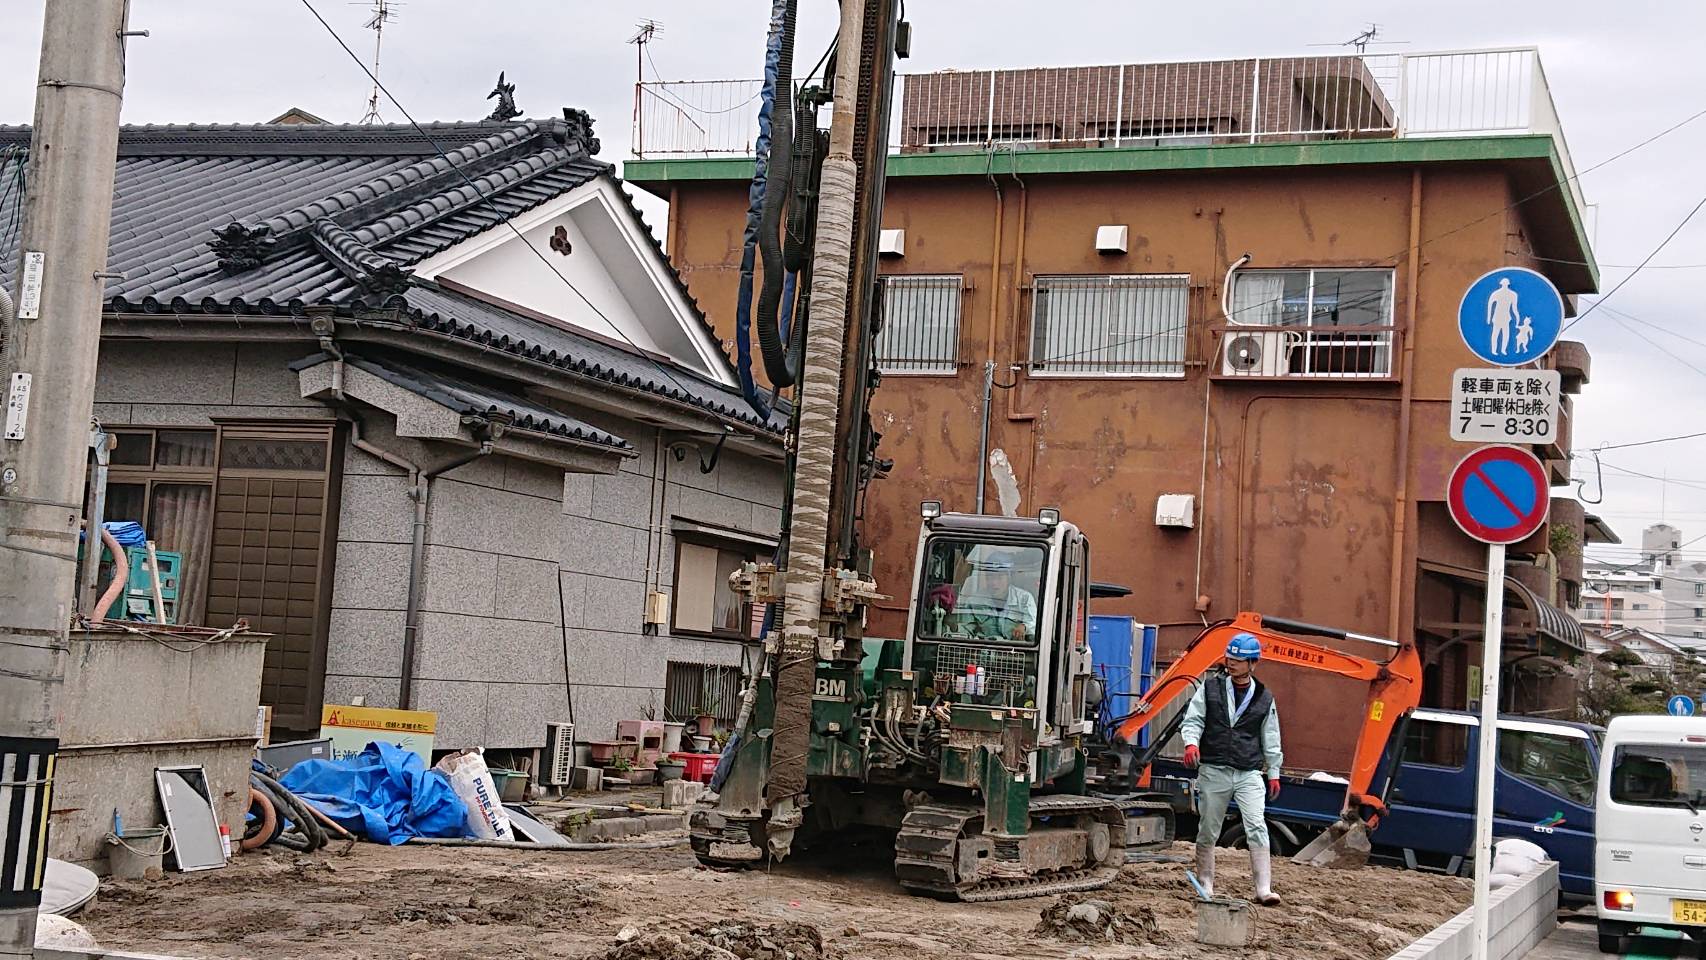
(1520, 916)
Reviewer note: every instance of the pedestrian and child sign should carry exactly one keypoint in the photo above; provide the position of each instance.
(1508, 317)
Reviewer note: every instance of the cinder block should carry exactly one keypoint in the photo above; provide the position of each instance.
(678, 794)
(588, 778)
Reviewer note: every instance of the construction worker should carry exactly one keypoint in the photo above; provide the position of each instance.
(992, 605)
(1232, 737)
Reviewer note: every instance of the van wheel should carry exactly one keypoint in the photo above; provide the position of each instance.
(1282, 842)
(1612, 937)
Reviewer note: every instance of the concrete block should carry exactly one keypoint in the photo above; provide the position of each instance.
(364, 643)
(376, 509)
(485, 472)
(533, 479)
(481, 517)
(574, 589)
(622, 498)
(516, 713)
(597, 708)
(459, 581)
(177, 372)
(113, 414)
(577, 494)
(374, 691)
(527, 590)
(372, 576)
(615, 606)
(603, 549)
(200, 691)
(707, 507)
(600, 658)
(588, 778)
(264, 376)
(766, 520)
(457, 647)
(461, 709)
(679, 794)
(750, 479)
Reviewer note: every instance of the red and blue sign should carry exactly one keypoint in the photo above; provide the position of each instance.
(1499, 494)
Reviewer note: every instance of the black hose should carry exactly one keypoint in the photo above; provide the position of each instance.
(775, 199)
(284, 800)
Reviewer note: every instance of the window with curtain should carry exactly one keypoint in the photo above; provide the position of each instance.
(704, 601)
(921, 325)
(163, 480)
(1343, 318)
(1130, 326)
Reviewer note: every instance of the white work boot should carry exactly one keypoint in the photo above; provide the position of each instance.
(1262, 876)
(1205, 868)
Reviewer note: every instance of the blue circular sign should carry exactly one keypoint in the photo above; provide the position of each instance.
(1680, 706)
(1498, 494)
(1510, 316)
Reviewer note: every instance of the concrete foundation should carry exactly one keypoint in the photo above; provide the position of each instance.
(134, 702)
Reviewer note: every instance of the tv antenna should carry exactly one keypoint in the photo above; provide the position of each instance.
(645, 32)
(1365, 39)
(381, 12)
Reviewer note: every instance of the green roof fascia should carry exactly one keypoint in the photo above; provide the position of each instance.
(653, 174)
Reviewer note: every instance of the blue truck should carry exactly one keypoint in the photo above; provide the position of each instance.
(1546, 773)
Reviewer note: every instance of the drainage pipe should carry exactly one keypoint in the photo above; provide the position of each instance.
(1401, 498)
(121, 574)
(983, 433)
(422, 495)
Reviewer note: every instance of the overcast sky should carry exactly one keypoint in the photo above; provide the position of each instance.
(1619, 73)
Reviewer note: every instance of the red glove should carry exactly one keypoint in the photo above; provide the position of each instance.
(1193, 756)
(1273, 789)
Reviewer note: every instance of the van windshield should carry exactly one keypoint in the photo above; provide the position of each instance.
(1659, 775)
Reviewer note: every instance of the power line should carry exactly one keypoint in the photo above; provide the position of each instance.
(1607, 266)
(1645, 443)
(490, 202)
(1631, 275)
(1657, 346)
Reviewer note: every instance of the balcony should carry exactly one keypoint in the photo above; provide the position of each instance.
(1252, 352)
(1459, 93)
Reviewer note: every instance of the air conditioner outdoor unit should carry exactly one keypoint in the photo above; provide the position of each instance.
(557, 766)
(1257, 353)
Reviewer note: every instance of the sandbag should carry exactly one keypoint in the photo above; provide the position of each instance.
(384, 793)
(1527, 849)
(473, 783)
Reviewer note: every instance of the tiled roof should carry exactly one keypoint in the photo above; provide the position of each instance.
(474, 399)
(278, 217)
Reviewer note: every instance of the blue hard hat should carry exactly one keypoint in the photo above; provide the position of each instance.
(1244, 646)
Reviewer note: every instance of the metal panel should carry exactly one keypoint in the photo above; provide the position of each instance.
(194, 830)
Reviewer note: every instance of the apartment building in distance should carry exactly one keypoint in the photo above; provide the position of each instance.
(1208, 310)
(1662, 592)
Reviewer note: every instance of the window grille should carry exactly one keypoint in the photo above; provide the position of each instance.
(921, 325)
(1130, 326)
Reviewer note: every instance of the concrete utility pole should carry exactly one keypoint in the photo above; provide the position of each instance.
(53, 343)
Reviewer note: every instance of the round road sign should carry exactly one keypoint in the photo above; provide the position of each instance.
(1680, 706)
(1510, 316)
(1498, 494)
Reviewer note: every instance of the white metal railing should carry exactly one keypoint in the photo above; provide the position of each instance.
(1437, 94)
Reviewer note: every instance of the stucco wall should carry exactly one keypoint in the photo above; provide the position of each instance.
(504, 536)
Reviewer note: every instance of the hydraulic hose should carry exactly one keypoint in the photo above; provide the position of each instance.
(776, 194)
(756, 193)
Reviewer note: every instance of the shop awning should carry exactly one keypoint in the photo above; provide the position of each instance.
(1546, 622)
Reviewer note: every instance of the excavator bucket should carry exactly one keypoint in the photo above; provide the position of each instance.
(1344, 845)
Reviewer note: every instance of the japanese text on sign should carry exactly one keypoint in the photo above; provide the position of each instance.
(1505, 406)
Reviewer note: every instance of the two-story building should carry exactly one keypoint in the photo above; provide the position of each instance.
(1209, 310)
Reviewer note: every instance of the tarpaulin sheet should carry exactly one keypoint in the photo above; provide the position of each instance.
(383, 793)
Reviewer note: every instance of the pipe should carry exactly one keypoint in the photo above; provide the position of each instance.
(1406, 386)
(422, 495)
(571, 847)
(1207, 395)
(121, 574)
(983, 433)
(1017, 365)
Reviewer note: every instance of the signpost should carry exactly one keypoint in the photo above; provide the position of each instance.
(1508, 317)
(1680, 706)
(1505, 406)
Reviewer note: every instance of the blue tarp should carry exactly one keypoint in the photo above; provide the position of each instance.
(383, 793)
(128, 533)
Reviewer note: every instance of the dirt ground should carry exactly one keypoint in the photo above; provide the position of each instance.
(414, 903)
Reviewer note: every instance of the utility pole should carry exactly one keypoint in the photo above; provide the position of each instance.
(47, 357)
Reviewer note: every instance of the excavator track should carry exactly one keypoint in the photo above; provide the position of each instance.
(929, 846)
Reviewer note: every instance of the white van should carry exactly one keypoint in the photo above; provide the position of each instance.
(1650, 843)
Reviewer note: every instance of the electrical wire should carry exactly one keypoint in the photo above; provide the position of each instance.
(1645, 443)
(487, 199)
(1633, 273)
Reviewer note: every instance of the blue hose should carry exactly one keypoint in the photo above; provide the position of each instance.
(755, 205)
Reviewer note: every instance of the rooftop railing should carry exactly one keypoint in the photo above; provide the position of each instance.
(1452, 93)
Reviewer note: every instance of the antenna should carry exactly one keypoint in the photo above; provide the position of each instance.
(382, 12)
(1363, 40)
(646, 31)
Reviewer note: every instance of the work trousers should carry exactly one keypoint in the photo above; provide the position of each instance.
(1218, 786)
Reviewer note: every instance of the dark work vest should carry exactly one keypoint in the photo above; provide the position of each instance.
(1226, 745)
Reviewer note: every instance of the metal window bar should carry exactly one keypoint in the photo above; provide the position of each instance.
(921, 324)
(1004, 672)
(1132, 325)
(690, 688)
(1319, 328)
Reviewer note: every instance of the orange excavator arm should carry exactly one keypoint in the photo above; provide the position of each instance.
(1394, 687)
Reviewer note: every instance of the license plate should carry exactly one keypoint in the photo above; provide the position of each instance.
(1688, 911)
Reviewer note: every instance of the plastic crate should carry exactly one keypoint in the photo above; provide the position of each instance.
(700, 766)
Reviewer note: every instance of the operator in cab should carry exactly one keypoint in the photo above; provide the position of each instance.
(992, 605)
(1232, 736)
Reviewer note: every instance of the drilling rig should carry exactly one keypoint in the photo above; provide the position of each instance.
(965, 738)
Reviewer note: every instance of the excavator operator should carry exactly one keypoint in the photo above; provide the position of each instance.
(1232, 736)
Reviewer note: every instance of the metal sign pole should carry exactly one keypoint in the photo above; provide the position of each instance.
(1493, 629)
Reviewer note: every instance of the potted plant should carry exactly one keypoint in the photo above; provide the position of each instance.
(621, 765)
(669, 769)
